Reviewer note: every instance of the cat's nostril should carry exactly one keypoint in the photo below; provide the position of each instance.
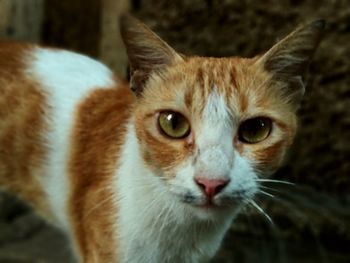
(211, 187)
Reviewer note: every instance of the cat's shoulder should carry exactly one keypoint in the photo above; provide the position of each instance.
(57, 65)
(53, 66)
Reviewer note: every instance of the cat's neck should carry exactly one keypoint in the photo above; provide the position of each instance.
(148, 212)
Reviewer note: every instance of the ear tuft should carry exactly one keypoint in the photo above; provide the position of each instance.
(147, 52)
(287, 61)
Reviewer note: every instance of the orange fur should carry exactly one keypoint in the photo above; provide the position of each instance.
(96, 140)
(162, 80)
(22, 126)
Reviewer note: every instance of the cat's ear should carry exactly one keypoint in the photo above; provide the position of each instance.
(287, 61)
(147, 52)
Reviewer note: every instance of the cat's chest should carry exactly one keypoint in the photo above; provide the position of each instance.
(171, 245)
(153, 226)
(151, 232)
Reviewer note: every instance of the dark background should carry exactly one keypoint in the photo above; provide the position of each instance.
(312, 218)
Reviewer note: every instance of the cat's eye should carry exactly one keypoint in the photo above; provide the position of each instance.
(254, 130)
(173, 124)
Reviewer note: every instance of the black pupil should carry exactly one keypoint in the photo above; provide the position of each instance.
(255, 126)
(253, 129)
(174, 120)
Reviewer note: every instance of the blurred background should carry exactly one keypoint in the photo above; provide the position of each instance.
(311, 219)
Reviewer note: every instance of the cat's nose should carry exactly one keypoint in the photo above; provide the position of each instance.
(211, 187)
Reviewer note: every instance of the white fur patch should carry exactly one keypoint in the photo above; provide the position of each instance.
(214, 139)
(216, 158)
(153, 225)
(67, 78)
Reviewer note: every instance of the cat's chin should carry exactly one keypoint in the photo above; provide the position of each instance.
(213, 211)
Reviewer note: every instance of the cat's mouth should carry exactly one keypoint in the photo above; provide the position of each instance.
(221, 201)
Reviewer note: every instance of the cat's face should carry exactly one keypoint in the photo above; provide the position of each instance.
(217, 119)
(210, 127)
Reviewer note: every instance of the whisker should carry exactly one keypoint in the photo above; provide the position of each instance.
(98, 205)
(278, 193)
(269, 188)
(254, 204)
(158, 218)
(266, 193)
(274, 181)
(165, 221)
(149, 206)
(284, 202)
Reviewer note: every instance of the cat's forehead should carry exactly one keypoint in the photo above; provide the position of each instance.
(211, 73)
(211, 82)
(199, 82)
(203, 81)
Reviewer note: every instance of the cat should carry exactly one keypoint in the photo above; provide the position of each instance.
(154, 170)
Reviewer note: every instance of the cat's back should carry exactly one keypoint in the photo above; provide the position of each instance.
(42, 92)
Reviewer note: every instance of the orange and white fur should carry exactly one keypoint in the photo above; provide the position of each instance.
(89, 152)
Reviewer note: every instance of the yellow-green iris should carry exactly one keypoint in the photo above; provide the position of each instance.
(173, 124)
(254, 130)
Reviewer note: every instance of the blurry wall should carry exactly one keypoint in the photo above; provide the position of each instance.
(312, 218)
(21, 20)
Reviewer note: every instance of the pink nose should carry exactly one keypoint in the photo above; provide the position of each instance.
(211, 187)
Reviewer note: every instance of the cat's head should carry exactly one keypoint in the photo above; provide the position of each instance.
(210, 127)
